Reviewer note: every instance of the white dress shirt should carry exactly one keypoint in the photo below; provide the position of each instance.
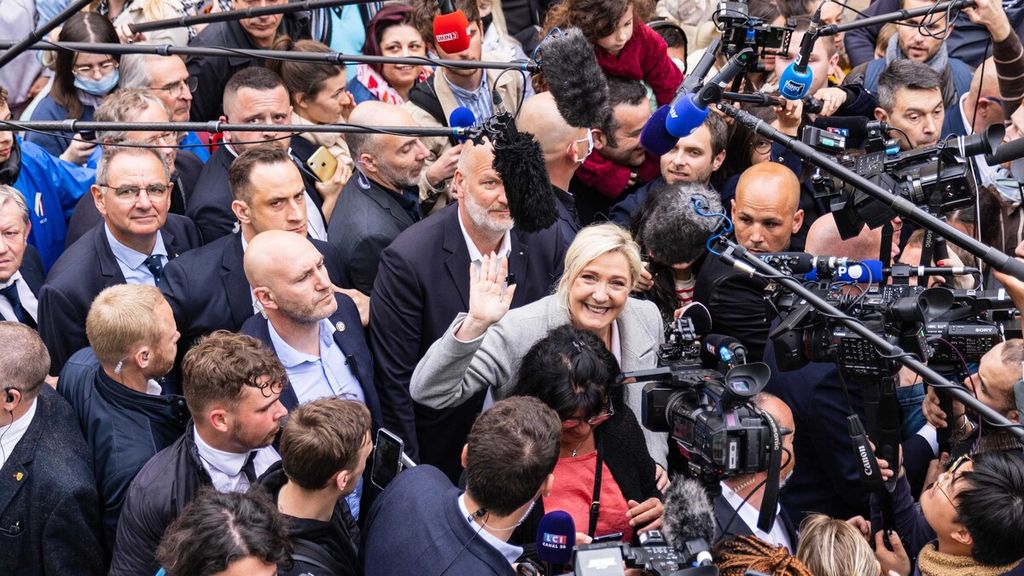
(225, 468)
(28, 300)
(12, 433)
(748, 515)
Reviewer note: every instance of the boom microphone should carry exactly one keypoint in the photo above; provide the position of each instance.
(451, 28)
(556, 538)
(655, 137)
(796, 79)
(689, 110)
(520, 162)
(844, 270)
(575, 79)
(689, 520)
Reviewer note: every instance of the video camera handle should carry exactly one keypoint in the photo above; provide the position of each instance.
(905, 208)
(737, 256)
(833, 29)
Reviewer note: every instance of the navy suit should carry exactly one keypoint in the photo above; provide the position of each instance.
(423, 283)
(49, 508)
(210, 203)
(208, 291)
(351, 340)
(736, 302)
(31, 272)
(728, 523)
(82, 272)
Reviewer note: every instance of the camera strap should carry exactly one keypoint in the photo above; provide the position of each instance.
(770, 498)
(595, 502)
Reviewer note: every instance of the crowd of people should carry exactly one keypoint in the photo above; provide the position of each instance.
(203, 335)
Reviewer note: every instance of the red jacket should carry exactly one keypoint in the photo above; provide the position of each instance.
(610, 179)
(644, 57)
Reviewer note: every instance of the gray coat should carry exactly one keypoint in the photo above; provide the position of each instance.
(452, 371)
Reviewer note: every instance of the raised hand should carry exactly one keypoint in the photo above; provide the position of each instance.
(489, 301)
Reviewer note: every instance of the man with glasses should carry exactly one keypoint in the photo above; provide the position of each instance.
(135, 242)
(169, 80)
(971, 517)
(135, 105)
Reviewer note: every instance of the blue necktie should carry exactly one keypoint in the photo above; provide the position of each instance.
(11, 293)
(156, 268)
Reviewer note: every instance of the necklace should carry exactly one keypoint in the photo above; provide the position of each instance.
(576, 449)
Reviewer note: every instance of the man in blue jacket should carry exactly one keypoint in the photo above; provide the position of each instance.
(51, 187)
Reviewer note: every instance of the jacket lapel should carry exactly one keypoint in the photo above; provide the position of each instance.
(456, 255)
(16, 471)
(638, 344)
(105, 259)
(237, 287)
(518, 265)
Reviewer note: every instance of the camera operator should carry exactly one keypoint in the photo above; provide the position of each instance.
(1000, 368)
(766, 214)
(738, 506)
(509, 458)
(969, 520)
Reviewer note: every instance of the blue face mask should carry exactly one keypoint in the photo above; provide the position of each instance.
(100, 87)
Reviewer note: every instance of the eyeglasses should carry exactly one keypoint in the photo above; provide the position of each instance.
(763, 146)
(164, 138)
(178, 88)
(105, 68)
(946, 478)
(130, 194)
(568, 423)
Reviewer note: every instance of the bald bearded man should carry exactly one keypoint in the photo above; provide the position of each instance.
(564, 147)
(766, 213)
(314, 330)
(381, 199)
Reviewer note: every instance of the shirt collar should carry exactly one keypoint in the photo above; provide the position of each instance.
(12, 433)
(474, 253)
(510, 552)
(227, 462)
(131, 258)
(290, 357)
(12, 280)
(463, 94)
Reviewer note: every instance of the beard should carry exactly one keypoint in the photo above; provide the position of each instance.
(480, 215)
(401, 178)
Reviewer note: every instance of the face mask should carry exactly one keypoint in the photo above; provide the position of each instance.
(100, 87)
(1008, 184)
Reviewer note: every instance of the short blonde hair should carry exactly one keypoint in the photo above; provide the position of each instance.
(830, 547)
(590, 244)
(121, 318)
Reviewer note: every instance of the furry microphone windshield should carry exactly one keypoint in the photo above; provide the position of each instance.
(575, 79)
(520, 162)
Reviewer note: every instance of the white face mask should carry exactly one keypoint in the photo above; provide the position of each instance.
(1009, 183)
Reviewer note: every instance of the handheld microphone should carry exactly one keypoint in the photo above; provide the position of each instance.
(724, 349)
(556, 538)
(796, 79)
(689, 520)
(688, 111)
(451, 28)
(461, 117)
(846, 270)
(655, 137)
(575, 79)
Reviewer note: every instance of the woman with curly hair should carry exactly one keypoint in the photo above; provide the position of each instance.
(623, 44)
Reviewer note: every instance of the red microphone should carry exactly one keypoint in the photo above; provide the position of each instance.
(451, 29)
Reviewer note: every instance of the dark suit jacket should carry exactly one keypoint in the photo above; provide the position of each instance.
(366, 219)
(187, 167)
(83, 271)
(207, 289)
(210, 203)
(49, 508)
(32, 272)
(351, 340)
(724, 517)
(423, 283)
(736, 302)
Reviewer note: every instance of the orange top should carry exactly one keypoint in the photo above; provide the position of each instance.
(574, 490)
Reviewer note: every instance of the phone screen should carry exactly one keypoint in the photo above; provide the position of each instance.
(387, 457)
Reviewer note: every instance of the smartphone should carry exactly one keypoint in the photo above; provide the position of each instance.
(323, 164)
(613, 537)
(387, 458)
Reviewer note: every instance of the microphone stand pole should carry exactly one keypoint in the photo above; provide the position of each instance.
(219, 127)
(41, 32)
(290, 7)
(833, 29)
(322, 57)
(738, 257)
(905, 208)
